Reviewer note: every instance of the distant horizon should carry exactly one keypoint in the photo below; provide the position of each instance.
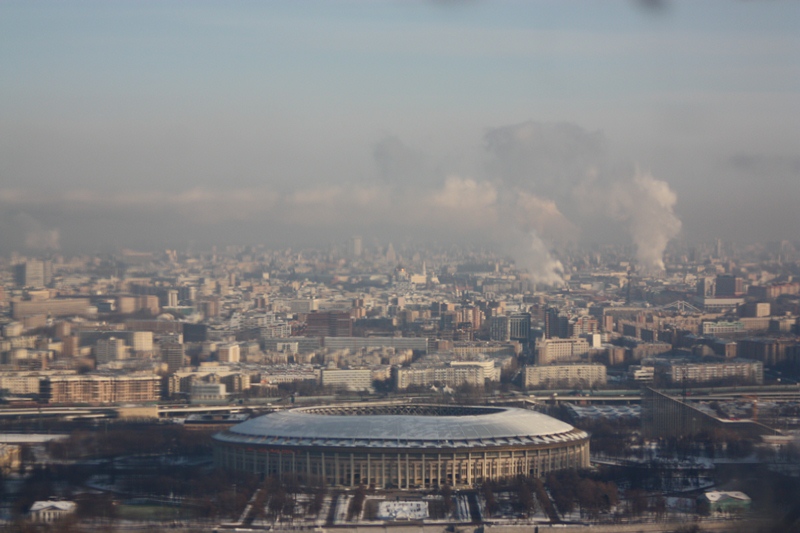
(377, 244)
(525, 125)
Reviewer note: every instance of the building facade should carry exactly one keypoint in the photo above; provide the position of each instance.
(565, 375)
(93, 389)
(402, 446)
(451, 376)
(356, 379)
(556, 350)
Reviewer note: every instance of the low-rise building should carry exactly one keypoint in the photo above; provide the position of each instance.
(356, 379)
(561, 350)
(451, 376)
(204, 393)
(577, 375)
(723, 327)
(717, 501)
(51, 511)
(98, 389)
(743, 370)
(641, 373)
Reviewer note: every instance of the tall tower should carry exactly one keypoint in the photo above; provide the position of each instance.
(30, 274)
(173, 354)
(550, 323)
(391, 256)
(356, 246)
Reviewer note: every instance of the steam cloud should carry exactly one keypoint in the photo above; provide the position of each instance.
(541, 264)
(646, 205)
(42, 239)
(562, 178)
(34, 234)
(540, 186)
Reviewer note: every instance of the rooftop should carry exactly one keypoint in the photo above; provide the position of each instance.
(382, 425)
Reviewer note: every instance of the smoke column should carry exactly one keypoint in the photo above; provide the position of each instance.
(646, 205)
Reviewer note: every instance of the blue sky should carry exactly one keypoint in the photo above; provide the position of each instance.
(187, 99)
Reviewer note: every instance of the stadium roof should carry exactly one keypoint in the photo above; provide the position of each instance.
(376, 426)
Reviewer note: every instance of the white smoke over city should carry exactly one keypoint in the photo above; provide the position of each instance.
(34, 235)
(534, 188)
(646, 206)
(42, 239)
(535, 256)
(562, 179)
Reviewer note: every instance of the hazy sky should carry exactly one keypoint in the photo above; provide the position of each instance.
(159, 123)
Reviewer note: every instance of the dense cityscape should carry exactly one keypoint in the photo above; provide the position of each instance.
(408, 266)
(683, 385)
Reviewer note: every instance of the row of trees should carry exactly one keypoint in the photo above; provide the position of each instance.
(611, 437)
(709, 444)
(120, 440)
(357, 503)
(568, 488)
(277, 498)
(639, 502)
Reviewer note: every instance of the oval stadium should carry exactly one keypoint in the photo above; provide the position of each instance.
(402, 446)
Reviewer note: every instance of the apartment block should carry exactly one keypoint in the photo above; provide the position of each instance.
(565, 375)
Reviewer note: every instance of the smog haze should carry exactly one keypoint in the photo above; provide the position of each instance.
(528, 124)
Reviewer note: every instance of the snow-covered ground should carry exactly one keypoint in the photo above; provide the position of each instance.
(462, 513)
(340, 513)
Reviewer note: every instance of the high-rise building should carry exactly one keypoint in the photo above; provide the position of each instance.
(33, 273)
(141, 341)
(706, 287)
(172, 298)
(329, 324)
(112, 349)
(173, 354)
(304, 305)
(582, 375)
(520, 327)
(355, 246)
(187, 293)
(556, 325)
(348, 379)
(728, 285)
(70, 346)
(500, 328)
(228, 353)
(558, 350)
(583, 325)
(101, 389)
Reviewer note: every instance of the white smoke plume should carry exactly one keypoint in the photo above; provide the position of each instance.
(43, 239)
(533, 254)
(36, 235)
(563, 179)
(533, 218)
(517, 217)
(465, 193)
(538, 186)
(544, 268)
(541, 215)
(646, 206)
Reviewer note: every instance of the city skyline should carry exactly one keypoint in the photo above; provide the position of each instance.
(527, 125)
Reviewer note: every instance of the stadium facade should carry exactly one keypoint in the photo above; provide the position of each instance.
(402, 446)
